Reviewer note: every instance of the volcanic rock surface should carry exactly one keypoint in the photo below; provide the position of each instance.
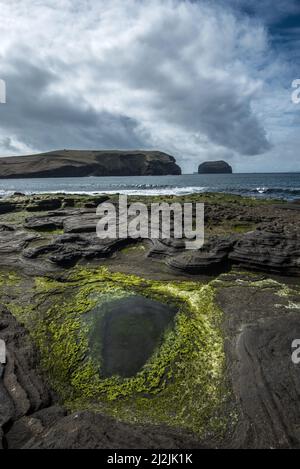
(130, 331)
(251, 259)
(259, 236)
(73, 163)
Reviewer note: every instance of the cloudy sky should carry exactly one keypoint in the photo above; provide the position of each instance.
(198, 79)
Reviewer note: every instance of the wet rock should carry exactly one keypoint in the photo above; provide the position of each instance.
(43, 223)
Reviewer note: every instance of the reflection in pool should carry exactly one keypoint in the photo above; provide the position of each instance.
(124, 333)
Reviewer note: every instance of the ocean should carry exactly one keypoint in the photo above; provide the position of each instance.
(268, 185)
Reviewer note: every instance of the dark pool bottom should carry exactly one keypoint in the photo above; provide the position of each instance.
(124, 333)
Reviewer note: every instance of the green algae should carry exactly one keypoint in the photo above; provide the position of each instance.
(54, 231)
(219, 198)
(9, 278)
(182, 384)
(133, 249)
(226, 228)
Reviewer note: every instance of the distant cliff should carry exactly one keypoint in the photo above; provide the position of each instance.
(214, 167)
(73, 163)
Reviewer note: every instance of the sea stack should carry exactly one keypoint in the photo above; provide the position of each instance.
(214, 167)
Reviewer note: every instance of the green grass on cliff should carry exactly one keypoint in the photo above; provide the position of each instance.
(182, 384)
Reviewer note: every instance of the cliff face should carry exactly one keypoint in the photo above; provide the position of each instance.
(215, 167)
(73, 163)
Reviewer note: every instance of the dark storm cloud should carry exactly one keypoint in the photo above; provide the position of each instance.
(45, 120)
(269, 11)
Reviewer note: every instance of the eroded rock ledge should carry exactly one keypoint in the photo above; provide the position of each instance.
(62, 231)
(231, 336)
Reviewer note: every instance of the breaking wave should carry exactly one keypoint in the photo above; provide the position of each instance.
(283, 186)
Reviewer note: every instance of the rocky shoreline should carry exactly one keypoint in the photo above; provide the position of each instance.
(241, 292)
(46, 233)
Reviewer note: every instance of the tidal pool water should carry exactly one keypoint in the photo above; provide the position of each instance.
(124, 333)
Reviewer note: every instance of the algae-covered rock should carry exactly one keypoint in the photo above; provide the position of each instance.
(214, 167)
